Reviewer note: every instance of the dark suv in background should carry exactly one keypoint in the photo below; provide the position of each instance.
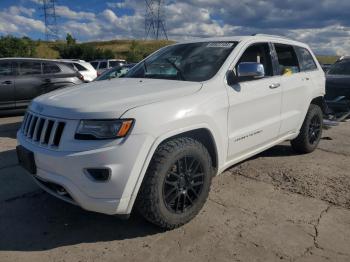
(22, 79)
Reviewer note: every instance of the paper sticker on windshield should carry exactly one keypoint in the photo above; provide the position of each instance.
(220, 44)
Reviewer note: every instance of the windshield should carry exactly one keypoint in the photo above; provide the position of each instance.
(340, 68)
(187, 62)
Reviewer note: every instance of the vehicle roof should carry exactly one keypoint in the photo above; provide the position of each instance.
(257, 37)
(102, 60)
(31, 59)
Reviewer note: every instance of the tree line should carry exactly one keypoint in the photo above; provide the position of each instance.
(11, 46)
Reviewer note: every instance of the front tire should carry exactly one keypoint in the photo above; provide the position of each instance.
(176, 184)
(310, 132)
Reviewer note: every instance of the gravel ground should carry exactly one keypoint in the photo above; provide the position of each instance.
(277, 206)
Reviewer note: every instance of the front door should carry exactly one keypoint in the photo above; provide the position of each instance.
(7, 91)
(254, 115)
(29, 83)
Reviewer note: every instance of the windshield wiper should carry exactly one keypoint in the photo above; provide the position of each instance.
(177, 68)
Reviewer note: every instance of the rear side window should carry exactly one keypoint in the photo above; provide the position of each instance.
(287, 59)
(103, 65)
(49, 68)
(114, 63)
(79, 67)
(94, 64)
(5, 69)
(307, 63)
(29, 68)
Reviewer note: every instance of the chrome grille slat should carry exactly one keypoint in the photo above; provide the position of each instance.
(35, 133)
(27, 124)
(53, 132)
(43, 131)
(31, 127)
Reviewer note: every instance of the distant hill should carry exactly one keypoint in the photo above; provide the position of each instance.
(121, 47)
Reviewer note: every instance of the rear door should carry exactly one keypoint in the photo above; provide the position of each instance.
(294, 91)
(7, 89)
(309, 67)
(28, 83)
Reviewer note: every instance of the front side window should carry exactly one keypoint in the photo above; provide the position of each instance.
(307, 63)
(103, 65)
(115, 63)
(287, 59)
(5, 69)
(186, 62)
(29, 68)
(49, 68)
(258, 53)
(340, 68)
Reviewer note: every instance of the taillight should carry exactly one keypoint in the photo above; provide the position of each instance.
(81, 77)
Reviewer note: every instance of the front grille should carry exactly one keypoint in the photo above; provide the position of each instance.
(45, 131)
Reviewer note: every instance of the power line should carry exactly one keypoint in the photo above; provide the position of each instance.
(155, 20)
(51, 30)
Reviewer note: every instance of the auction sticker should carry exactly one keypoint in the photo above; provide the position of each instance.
(220, 44)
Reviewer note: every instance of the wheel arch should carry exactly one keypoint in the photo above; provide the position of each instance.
(201, 133)
(320, 101)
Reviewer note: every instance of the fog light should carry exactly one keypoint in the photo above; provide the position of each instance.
(98, 174)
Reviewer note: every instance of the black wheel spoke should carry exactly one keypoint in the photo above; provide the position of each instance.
(171, 183)
(199, 183)
(170, 192)
(183, 184)
(314, 130)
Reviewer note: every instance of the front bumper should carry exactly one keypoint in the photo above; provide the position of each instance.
(66, 169)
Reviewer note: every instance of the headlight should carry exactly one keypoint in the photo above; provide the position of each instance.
(103, 129)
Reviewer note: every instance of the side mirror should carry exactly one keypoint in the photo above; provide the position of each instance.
(249, 70)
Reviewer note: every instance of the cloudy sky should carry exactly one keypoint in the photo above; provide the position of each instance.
(324, 24)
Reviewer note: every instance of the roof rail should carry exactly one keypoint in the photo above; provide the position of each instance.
(276, 36)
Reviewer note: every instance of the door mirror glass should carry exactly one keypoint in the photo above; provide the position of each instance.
(250, 70)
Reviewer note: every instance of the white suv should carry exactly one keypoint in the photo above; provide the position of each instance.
(88, 72)
(154, 139)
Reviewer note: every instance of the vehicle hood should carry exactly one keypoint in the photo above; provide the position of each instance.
(110, 98)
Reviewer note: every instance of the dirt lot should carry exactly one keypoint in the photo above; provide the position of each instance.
(277, 206)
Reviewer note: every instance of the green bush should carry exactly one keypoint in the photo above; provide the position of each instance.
(136, 53)
(11, 46)
(83, 51)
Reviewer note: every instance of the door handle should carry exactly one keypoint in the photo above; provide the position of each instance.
(47, 80)
(307, 79)
(275, 85)
(7, 82)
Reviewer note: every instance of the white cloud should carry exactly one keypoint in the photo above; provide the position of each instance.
(324, 26)
(66, 12)
(13, 21)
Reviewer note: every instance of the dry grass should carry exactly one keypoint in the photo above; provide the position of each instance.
(119, 47)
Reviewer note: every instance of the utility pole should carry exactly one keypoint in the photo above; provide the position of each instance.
(155, 20)
(51, 30)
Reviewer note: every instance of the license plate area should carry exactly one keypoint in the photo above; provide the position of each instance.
(26, 159)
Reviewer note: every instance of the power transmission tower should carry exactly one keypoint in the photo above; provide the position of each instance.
(51, 30)
(155, 20)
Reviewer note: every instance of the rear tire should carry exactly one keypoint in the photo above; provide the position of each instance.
(176, 184)
(310, 132)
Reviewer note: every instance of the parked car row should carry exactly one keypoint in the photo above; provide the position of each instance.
(22, 79)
